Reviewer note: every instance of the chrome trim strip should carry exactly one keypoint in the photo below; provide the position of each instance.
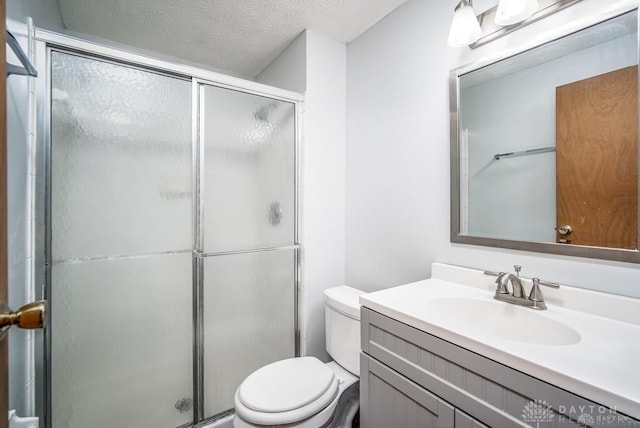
(116, 61)
(296, 304)
(198, 342)
(30, 284)
(254, 250)
(45, 144)
(298, 130)
(40, 262)
(198, 172)
(454, 154)
(198, 147)
(206, 422)
(198, 242)
(118, 257)
(527, 152)
(198, 245)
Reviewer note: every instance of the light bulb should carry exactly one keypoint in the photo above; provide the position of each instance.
(465, 28)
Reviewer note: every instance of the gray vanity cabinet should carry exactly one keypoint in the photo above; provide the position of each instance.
(412, 379)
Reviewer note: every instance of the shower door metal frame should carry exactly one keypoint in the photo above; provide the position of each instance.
(46, 42)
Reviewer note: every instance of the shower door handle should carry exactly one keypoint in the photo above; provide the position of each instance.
(30, 316)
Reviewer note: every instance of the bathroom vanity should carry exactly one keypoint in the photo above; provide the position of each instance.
(443, 353)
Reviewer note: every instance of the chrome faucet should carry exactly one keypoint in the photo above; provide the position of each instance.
(517, 296)
(517, 290)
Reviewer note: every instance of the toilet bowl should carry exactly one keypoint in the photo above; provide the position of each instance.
(304, 392)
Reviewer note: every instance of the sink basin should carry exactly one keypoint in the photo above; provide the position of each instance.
(500, 319)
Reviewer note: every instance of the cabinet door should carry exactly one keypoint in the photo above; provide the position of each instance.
(388, 399)
(465, 421)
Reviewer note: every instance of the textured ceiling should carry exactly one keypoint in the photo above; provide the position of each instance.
(242, 36)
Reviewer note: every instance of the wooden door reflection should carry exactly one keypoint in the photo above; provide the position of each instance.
(597, 160)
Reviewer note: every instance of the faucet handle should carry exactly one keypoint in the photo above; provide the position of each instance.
(549, 284)
(536, 294)
(517, 268)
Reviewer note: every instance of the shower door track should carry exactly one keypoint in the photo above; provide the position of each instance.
(46, 42)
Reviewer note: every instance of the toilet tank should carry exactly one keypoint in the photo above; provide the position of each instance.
(342, 326)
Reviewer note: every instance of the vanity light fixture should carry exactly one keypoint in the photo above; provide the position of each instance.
(465, 28)
(507, 16)
(511, 12)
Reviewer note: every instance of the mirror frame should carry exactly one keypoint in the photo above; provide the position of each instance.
(615, 254)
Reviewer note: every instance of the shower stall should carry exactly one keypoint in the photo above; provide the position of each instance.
(168, 228)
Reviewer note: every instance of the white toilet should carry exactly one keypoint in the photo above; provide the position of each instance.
(304, 391)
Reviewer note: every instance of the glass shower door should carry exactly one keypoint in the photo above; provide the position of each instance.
(247, 243)
(120, 284)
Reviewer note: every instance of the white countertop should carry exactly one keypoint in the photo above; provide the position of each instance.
(603, 366)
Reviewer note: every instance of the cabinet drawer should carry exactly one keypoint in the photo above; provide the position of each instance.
(462, 420)
(391, 400)
(490, 392)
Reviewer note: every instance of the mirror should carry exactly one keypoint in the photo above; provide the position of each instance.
(544, 146)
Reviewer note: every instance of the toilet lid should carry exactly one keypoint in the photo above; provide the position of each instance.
(288, 385)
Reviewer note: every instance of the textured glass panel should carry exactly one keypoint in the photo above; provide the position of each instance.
(248, 170)
(121, 342)
(248, 319)
(121, 159)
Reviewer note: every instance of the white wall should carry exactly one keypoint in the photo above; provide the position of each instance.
(397, 146)
(324, 178)
(317, 65)
(289, 70)
(397, 219)
(45, 13)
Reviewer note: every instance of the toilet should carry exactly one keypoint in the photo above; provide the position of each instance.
(304, 392)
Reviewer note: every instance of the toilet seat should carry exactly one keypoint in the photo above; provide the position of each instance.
(286, 391)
